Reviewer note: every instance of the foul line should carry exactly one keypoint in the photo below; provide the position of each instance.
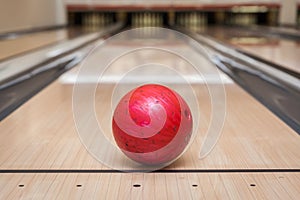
(21, 171)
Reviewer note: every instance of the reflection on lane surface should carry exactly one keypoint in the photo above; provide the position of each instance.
(282, 52)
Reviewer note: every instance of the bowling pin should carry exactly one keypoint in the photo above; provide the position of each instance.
(97, 20)
(190, 20)
(205, 20)
(152, 19)
(160, 20)
(104, 19)
(146, 19)
(141, 19)
(133, 20)
(94, 20)
(101, 20)
(136, 19)
(83, 19)
(88, 19)
(194, 19)
(180, 21)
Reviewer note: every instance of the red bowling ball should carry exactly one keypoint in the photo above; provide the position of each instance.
(152, 125)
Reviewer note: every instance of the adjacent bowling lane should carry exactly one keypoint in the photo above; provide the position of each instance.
(23, 76)
(31, 41)
(280, 51)
(23, 43)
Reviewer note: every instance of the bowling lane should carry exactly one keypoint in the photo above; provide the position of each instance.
(14, 46)
(280, 51)
(150, 186)
(286, 31)
(42, 134)
(39, 58)
(28, 42)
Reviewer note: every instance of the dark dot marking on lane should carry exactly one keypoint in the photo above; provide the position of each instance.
(137, 185)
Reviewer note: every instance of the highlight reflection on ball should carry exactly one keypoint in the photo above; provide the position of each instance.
(152, 124)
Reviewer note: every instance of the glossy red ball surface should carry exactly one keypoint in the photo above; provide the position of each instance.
(152, 124)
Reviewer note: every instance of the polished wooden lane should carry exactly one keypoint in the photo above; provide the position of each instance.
(34, 41)
(11, 47)
(150, 186)
(253, 138)
(280, 51)
(41, 134)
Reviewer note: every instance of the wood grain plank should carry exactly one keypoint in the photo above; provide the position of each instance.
(222, 185)
(29, 42)
(47, 138)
